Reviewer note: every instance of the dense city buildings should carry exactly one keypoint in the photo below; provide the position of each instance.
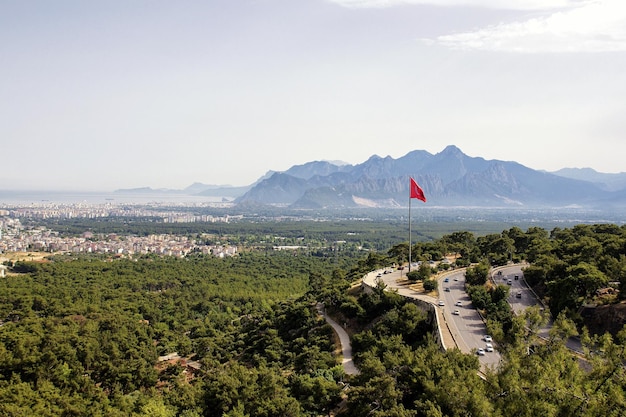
(16, 237)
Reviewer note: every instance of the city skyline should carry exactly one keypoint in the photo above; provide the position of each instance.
(109, 95)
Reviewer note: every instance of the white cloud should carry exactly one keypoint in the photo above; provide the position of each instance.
(493, 4)
(598, 26)
(556, 25)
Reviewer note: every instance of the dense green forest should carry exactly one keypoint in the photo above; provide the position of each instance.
(83, 336)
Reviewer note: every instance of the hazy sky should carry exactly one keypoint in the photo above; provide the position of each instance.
(120, 94)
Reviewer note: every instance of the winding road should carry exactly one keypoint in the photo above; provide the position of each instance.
(465, 330)
(344, 339)
(521, 296)
(460, 324)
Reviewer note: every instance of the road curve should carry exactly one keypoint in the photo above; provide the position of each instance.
(522, 296)
(467, 329)
(344, 339)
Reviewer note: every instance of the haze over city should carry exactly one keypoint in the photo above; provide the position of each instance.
(106, 95)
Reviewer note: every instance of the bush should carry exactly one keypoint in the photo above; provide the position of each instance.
(430, 285)
(477, 275)
(413, 276)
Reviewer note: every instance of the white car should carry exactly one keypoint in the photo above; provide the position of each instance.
(456, 312)
(441, 303)
(480, 352)
(489, 347)
(458, 304)
(488, 338)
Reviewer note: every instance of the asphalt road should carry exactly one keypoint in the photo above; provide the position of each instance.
(527, 299)
(467, 327)
(520, 295)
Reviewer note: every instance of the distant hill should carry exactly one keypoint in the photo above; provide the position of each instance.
(609, 182)
(449, 178)
(147, 190)
(195, 189)
(224, 191)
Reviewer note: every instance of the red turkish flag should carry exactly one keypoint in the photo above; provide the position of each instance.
(416, 191)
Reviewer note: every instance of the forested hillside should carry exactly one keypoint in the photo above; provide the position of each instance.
(83, 337)
(88, 336)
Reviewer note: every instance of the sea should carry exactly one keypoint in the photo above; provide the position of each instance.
(29, 198)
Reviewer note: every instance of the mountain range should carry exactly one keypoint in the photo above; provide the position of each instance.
(448, 178)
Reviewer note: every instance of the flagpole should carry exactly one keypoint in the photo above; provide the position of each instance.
(414, 192)
(409, 231)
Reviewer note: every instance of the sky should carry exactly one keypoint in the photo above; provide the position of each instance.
(102, 95)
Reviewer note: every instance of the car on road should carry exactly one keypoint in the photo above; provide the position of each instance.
(446, 280)
(456, 312)
(489, 347)
(458, 304)
(518, 295)
(441, 303)
(487, 338)
(509, 282)
(379, 275)
(447, 289)
(480, 352)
